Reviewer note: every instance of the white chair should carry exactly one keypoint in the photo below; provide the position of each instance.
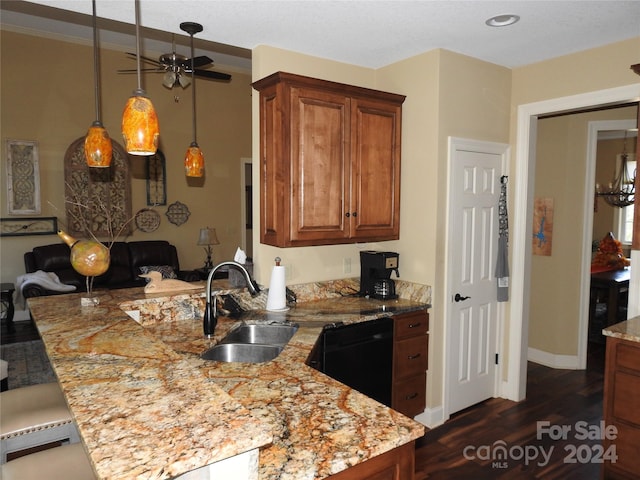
(33, 416)
(69, 462)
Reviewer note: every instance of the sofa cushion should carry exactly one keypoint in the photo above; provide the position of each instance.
(152, 252)
(119, 272)
(52, 258)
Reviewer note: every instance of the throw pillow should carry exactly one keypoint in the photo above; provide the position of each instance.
(166, 271)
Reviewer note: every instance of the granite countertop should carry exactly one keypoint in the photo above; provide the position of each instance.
(147, 406)
(627, 330)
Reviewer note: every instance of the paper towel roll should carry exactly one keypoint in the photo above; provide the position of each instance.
(277, 297)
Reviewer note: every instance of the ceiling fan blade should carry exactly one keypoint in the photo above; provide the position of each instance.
(134, 70)
(197, 62)
(212, 75)
(200, 61)
(146, 59)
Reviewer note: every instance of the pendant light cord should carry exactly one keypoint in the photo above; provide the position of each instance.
(137, 7)
(96, 72)
(193, 93)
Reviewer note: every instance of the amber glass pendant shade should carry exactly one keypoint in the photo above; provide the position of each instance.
(194, 161)
(97, 146)
(140, 127)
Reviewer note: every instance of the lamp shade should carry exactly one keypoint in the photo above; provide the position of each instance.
(208, 237)
(140, 127)
(194, 161)
(98, 150)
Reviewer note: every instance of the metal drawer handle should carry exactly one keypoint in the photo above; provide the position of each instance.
(411, 397)
(413, 357)
(414, 325)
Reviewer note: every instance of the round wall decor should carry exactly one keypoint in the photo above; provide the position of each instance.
(178, 213)
(147, 220)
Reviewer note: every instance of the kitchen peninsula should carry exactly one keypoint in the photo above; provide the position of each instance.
(147, 406)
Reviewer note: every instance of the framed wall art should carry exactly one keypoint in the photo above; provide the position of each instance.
(156, 180)
(542, 226)
(14, 227)
(23, 177)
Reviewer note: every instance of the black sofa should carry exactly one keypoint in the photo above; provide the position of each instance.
(127, 262)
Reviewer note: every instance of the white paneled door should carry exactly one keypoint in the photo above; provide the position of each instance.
(472, 309)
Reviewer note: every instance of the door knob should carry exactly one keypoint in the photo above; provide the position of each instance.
(459, 298)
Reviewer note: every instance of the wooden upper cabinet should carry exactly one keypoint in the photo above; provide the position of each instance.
(329, 162)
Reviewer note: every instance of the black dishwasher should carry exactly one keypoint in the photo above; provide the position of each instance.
(360, 355)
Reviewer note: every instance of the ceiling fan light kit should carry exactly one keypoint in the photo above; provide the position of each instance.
(194, 158)
(140, 126)
(98, 150)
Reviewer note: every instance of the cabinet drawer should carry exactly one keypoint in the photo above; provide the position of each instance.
(410, 357)
(628, 356)
(411, 324)
(409, 396)
(626, 398)
(628, 451)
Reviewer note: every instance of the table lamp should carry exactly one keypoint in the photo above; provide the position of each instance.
(207, 238)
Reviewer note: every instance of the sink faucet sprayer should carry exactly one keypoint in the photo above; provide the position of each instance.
(210, 319)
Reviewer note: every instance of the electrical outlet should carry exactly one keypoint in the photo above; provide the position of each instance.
(346, 265)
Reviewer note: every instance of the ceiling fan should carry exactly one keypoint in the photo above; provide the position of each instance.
(175, 66)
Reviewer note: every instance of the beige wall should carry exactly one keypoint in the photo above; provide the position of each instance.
(47, 96)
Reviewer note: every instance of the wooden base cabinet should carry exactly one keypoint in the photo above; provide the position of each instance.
(398, 464)
(329, 162)
(622, 407)
(410, 362)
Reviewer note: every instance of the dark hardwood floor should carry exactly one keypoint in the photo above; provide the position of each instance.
(561, 397)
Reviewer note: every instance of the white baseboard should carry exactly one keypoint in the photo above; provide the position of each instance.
(567, 362)
(431, 417)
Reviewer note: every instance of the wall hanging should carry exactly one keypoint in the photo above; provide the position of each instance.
(147, 220)
(156, 179)
(542, 226)
(98, 200)
(13, 227)
(23, 178)
(178, 213)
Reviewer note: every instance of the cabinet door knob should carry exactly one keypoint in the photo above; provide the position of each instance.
(355, 214)
(347, 214)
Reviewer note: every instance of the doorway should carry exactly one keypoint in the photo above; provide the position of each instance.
(523, 182)
(606, 140)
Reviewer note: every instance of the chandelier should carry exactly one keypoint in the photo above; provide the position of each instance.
(621, 191)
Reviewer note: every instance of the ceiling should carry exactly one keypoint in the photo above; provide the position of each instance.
(369, 33)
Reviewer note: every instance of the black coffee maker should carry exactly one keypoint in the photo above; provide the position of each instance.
(375, 274)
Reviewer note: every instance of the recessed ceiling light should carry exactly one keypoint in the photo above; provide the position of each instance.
(502, 20)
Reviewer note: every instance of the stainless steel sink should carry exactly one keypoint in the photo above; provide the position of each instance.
(263, 334)
(252, 343)
(242, 352)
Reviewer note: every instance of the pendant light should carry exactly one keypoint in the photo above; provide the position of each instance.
(140, 127)
(194, 158)
(97, 144)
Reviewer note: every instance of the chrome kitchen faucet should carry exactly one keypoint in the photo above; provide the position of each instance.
(210, 319)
